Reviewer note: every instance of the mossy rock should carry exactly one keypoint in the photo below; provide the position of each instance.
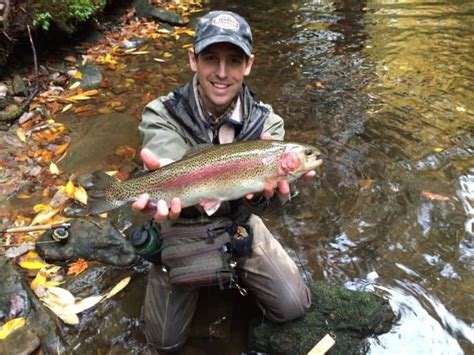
(349, 316)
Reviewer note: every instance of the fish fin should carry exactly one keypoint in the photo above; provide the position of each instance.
(197, 149)
(97, 201)
(210, 206)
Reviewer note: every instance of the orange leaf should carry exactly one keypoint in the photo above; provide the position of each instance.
(434, 197)
(77, 267)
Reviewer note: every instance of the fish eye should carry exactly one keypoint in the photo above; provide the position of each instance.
(308, 152)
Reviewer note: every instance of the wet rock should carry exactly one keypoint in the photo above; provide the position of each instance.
(18, 86)
(17, 300)
(91, 239)
(350, 316)
(91, 76)
(143, 8)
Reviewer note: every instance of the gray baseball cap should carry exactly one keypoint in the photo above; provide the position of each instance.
(223, 26)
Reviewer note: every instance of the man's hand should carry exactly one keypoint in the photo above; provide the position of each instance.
(283, 187)
(163, 211)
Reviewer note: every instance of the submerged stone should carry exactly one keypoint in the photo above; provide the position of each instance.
(348, 316)
(143, 8)
(91, 239)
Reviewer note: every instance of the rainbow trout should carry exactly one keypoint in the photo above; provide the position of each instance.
(218, 173)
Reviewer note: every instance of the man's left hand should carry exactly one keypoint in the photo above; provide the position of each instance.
(283, 187)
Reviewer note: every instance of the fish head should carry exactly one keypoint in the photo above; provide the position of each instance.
(298, 158)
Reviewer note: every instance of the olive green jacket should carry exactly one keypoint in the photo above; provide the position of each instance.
(172, 124)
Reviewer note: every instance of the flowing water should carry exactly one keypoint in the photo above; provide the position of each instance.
(385, 89)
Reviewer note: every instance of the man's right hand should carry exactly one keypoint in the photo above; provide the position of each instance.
(163, 211)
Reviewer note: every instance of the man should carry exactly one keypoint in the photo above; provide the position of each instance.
(215, 107)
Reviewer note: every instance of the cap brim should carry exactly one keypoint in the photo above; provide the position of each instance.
(206, 42)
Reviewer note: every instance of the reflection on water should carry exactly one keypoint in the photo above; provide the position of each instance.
(385, 89)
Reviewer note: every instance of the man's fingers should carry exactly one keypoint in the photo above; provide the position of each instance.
(268, 191)
(141, 202)
(266, 136)
(149, 159)
(175, 208)
(162, 211)
(283, 187)
(309, 175)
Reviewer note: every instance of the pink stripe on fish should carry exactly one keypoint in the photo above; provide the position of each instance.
(209, 172)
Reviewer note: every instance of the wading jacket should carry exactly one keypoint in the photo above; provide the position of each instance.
(172, 124)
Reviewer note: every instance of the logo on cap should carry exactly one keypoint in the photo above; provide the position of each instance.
(226, 21)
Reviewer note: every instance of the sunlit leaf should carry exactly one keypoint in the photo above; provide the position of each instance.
(60, 149)
(22, 196)
(77, 267)
(53, 169)
(32, 261)
(66, 108)
(66, 316)
(69, 189)
(75, 85)
(85, 303)
(41, 207)
(91, 92)
(189, 32)
(140, 52)
(438, 149)
(77, 75)
(118, 287)
(80, 194)
(167, 55)
(44, 216)
(159, 60)
(434, 197)
(21, 135)
(39, 280)
(189, 45)
(60, 296)
(10, 326)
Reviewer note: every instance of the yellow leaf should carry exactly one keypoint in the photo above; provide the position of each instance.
(10, 326)
(159, 60)
(167, 55)
(22, 196)
(66, 316)
(32, 261)
(21, 135)
(84, 304)
(75, 85)
(118, 287)
(80, 194)
(189, 45)
(44, 216)
(78, 97)
(69, 188)
(39, 280)
(66, 108)
(41, 207)
(189, 32)
(60, 296)
(438, 149)
(139, 52)
(53, 169)
(77, 75)
(90, 92)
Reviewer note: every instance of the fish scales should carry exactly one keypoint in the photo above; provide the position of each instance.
(220, 173)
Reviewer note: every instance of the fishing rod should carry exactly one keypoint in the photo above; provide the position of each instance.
(60, 230)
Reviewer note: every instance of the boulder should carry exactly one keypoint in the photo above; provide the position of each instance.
(91, 239)
(348, 316)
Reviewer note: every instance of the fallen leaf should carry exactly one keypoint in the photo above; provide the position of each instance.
(66, 108)
(118, 287)
(319, 85)
(84, 304)
(32, 261)
(60, 296)
(53, 169)
(21, 135)
(77, 267)
(17, 251)
(39, 280)
(10, 326)
(75, 85)
(80, 194)
(44, 216)
(434, 197)
(66, 316)
(41, 207)
(69, 188)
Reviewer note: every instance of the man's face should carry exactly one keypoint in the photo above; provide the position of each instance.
(220, 69)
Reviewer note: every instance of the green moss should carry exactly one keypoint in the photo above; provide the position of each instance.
(349, 316)
(65, 14)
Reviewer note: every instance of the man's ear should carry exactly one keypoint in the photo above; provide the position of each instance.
(248, 66)
(192, 59)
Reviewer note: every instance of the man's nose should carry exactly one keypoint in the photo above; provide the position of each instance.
(222, 69)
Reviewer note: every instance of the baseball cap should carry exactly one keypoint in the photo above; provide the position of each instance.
(223, 26)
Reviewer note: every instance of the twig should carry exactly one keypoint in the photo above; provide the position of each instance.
(12, 116)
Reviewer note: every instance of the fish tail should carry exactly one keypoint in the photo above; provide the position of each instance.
(98, 193)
